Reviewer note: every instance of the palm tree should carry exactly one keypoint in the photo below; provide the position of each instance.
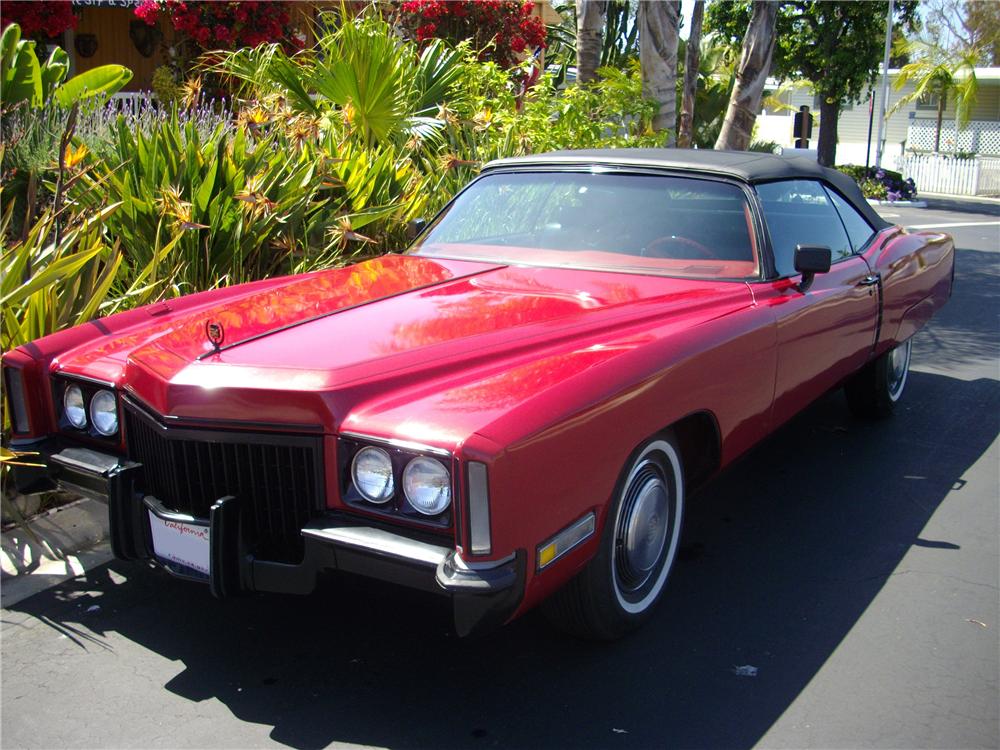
(691, 61)
(659, 23)
(590, 16)
(755, 64)
(935, 75)
(381, 89)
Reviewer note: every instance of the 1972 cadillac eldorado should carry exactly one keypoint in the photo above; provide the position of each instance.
(513, 411)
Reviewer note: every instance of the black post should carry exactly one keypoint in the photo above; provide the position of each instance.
(803, 126)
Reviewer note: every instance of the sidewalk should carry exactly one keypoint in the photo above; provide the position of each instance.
(67, 542)
(978, 204)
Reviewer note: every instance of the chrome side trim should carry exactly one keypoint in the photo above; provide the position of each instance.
(462, 564)
(405, 445)
(60, 373)
(379, 542)
(569, 538)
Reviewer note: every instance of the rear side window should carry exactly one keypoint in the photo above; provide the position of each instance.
(858, 228)
(799, 212)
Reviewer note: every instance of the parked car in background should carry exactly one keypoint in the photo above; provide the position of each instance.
(513, 412)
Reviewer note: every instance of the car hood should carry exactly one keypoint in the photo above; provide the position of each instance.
(322, 348)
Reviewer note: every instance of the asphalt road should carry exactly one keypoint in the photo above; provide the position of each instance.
(854, 564)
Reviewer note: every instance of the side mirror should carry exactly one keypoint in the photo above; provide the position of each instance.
(811, 260)
(414, 227)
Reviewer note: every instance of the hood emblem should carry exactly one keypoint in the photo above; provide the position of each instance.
(216, 333)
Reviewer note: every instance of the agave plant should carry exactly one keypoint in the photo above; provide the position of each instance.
(240, 203)
(63, 273)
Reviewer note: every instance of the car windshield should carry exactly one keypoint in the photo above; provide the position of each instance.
(653, 224)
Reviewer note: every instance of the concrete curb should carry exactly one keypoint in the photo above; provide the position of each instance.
(898, 204)
(987, 200)
(70, 541)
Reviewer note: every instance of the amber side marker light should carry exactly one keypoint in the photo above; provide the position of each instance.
(567, 539)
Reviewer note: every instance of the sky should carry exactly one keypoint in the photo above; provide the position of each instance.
(687, 6)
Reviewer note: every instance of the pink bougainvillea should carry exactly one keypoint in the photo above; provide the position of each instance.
(38, 19)
(213, 25)
(503, 30)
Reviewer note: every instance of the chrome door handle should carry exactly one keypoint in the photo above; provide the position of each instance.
(870, 280)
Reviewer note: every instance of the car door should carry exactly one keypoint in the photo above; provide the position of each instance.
(827, 332)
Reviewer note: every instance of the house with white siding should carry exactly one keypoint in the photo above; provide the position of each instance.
(908, 136)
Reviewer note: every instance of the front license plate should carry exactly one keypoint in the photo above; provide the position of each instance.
(184, 545)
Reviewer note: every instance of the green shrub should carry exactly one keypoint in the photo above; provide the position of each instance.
(64, 273)
(325, 158)
(168, 91)
(880, 184)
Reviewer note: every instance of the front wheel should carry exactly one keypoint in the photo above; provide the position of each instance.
(875, 390)
(617, 590)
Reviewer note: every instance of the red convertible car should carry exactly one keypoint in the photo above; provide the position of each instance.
(514, 411)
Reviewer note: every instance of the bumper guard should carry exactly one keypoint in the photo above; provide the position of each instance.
(483, 597)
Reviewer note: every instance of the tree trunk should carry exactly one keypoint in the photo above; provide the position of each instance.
(826, 146)
(590, 15)
(659, 23)
(755, 64)
(691, 62)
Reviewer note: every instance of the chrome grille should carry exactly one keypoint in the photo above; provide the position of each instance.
(277, 478)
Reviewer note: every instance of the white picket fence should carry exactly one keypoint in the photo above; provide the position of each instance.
(130, 101)
(937, 173)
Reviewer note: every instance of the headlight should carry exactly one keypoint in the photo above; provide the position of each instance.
(104, 412)
(74, 408)
(427, 485)
(372, 474)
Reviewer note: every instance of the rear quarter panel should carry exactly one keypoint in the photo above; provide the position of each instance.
(917, 271)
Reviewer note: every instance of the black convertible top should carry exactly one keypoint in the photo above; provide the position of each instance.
(748, 166)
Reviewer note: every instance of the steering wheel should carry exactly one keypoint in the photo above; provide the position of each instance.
(670, 246)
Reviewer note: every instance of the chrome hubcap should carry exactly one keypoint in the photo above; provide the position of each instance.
(899, 365)
(642, 529)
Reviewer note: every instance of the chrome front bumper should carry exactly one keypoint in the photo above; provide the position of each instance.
(484, 596)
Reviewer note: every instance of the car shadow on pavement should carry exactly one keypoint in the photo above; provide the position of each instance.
(964, 332)
(782, 555)
(962, 205)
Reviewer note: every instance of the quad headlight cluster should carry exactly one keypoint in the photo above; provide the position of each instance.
(397, 480)
(89, 408)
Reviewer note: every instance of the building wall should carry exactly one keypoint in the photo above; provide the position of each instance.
(114, 45)
(110, 25)
(852, 129)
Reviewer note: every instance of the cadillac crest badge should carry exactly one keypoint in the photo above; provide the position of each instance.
(215, 332)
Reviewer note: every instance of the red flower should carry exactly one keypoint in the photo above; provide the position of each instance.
(209, 24)
(502, 30)
(426, 31)
(148, 10)
(38, 19)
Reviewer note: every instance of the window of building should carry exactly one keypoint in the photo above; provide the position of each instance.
(929, 101)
